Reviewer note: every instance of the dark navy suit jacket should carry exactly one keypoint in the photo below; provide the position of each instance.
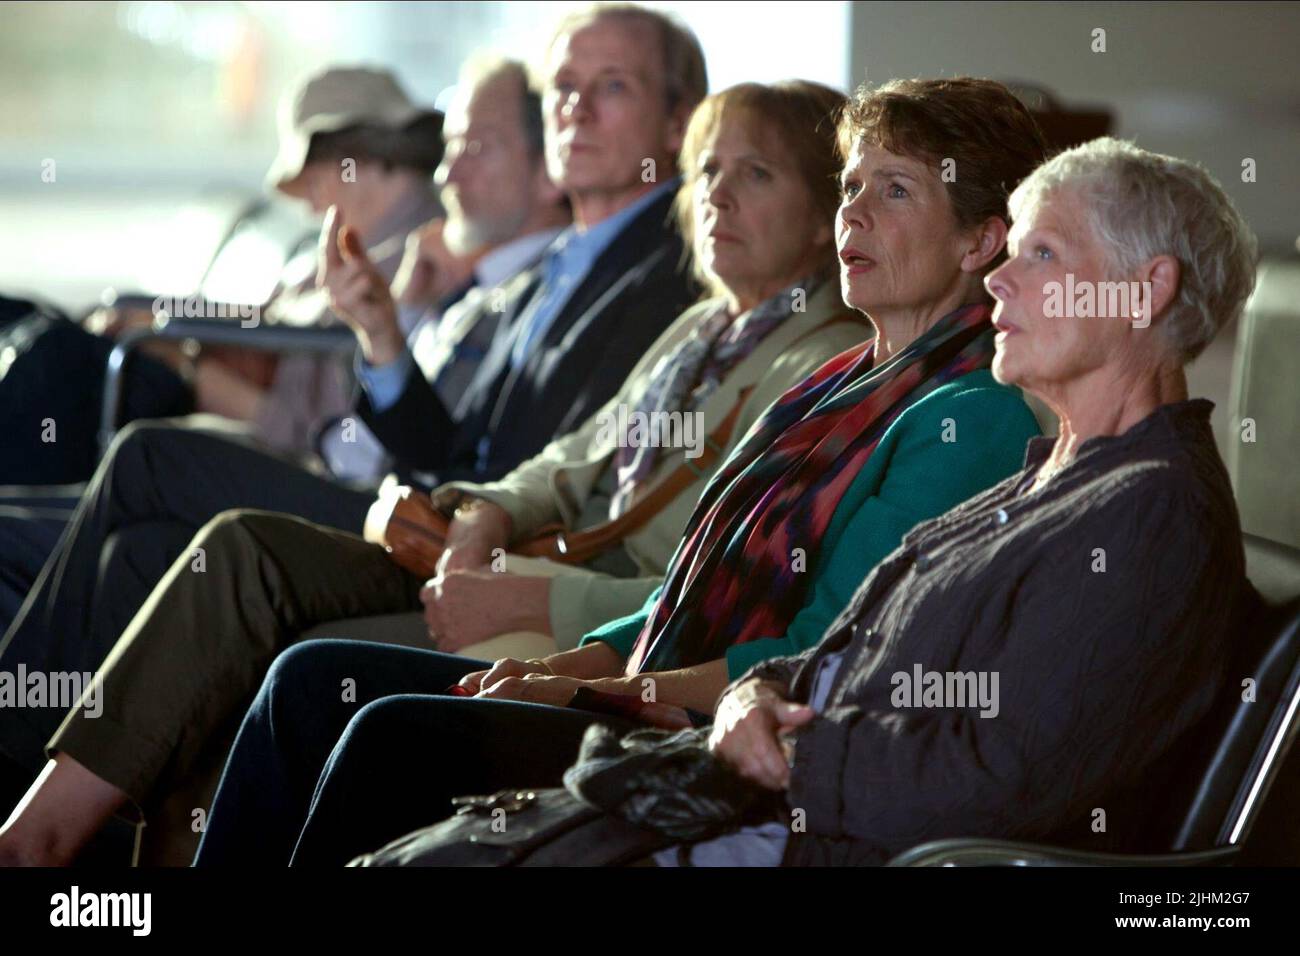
(634, 291)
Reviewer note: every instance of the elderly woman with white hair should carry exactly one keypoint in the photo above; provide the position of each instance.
(1083, 605)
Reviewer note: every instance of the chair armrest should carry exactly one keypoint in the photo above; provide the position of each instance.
(130, 300)
(978, 852)
(156, 304)
(266, 338)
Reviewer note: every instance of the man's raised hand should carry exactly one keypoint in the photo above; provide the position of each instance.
(358, 292)
(429, 270)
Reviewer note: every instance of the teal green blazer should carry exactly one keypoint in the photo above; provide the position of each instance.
(954, 443)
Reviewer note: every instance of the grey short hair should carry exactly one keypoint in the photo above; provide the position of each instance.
(686, 78)
(1140, 205)
(483, 67)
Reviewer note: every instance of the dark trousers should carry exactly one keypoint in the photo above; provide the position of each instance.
(317, 780)
(31, 522)
(155, 489)
(54, 377)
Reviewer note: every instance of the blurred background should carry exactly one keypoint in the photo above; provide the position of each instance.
(132, 133)
(160, 116)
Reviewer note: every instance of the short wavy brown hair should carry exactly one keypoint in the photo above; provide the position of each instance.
(800, 115)
(990, 135)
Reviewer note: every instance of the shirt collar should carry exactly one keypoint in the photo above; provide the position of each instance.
(512, 257)
(1171, 420)
(588, 244)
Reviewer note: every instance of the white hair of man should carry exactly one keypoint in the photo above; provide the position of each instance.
(465, 233)
(686, 78)
(1139, 205)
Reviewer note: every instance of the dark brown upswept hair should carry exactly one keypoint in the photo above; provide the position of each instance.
(800, 115)
(989, 134)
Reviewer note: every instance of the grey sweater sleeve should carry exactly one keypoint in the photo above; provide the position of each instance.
(1099, 674)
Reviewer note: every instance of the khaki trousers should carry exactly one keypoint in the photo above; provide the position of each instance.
(176, 685)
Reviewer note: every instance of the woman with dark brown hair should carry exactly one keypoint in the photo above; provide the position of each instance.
(825, 483)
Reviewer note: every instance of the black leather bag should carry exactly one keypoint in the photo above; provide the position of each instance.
(666, 782)
(624, 799)
(549, 827)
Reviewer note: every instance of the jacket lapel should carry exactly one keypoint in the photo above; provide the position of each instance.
(647, 237)
(496, 363)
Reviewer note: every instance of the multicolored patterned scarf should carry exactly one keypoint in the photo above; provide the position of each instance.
(732, 578)
(683, 380)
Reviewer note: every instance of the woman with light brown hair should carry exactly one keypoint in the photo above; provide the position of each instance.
(756, 203)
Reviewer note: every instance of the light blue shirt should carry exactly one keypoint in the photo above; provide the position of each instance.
(384, 383)
(565, 265)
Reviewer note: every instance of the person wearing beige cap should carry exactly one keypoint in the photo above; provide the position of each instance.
(332, 101)
(350, 138)
(361, 144)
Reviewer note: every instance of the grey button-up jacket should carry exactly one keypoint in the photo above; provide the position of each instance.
(1023, 666)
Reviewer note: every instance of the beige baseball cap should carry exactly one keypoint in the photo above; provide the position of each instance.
(331, 101)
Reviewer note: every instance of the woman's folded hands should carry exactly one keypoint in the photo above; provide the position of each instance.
(536, 682)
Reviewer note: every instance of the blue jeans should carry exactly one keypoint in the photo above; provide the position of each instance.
(316, 779)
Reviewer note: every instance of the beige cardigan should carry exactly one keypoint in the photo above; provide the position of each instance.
(555, 484)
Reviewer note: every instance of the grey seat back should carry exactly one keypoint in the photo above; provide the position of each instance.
(1246, 741)
(1265, 407)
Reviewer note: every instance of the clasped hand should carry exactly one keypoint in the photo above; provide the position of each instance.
(752, 732)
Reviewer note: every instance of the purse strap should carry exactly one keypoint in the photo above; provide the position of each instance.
(579, 546)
